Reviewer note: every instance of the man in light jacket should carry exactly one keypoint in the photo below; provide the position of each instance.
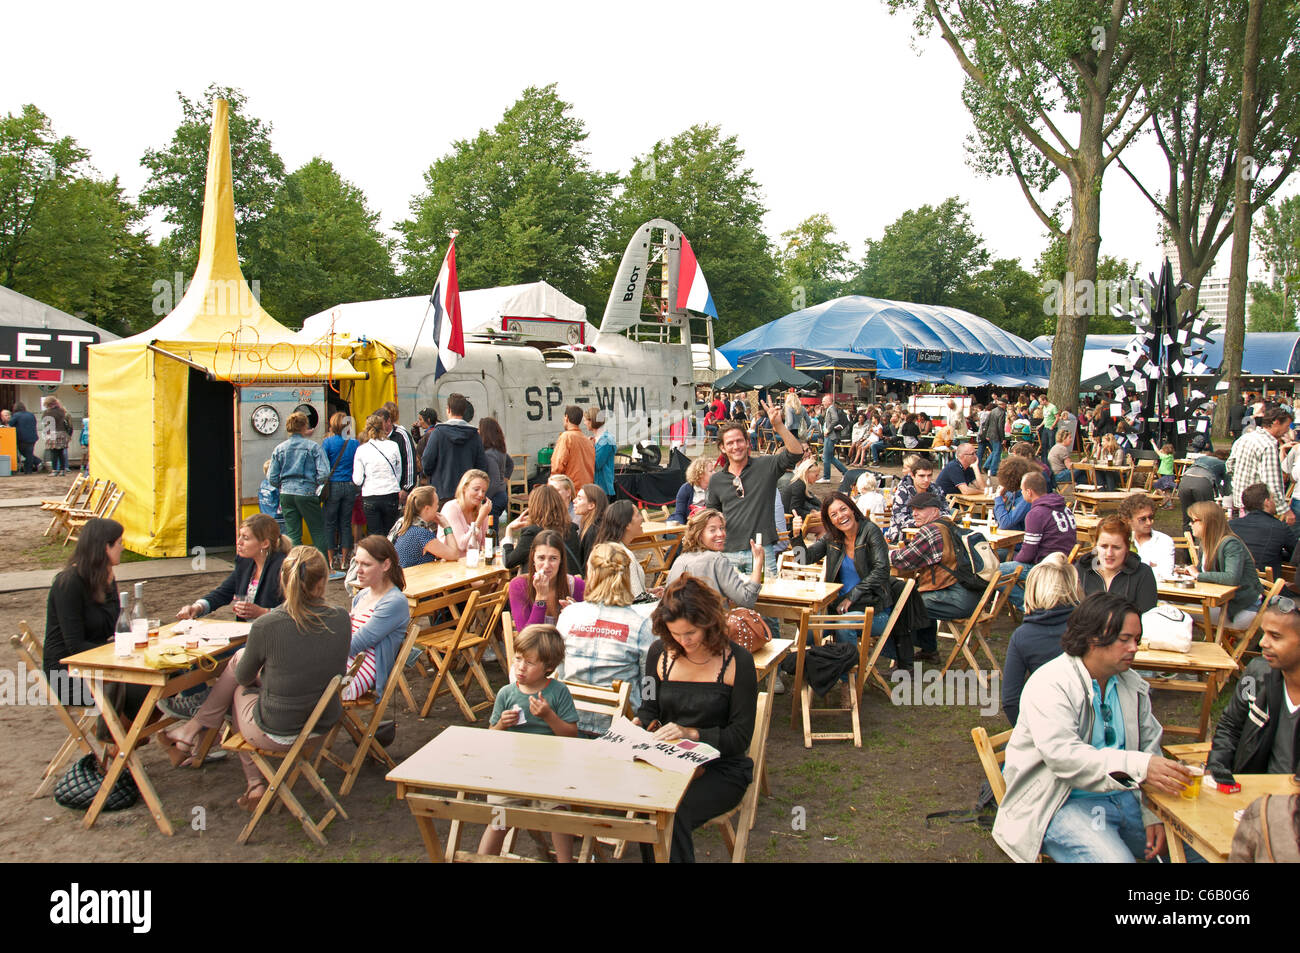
(1085, 739)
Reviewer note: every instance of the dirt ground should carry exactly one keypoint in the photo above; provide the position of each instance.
(830, 803)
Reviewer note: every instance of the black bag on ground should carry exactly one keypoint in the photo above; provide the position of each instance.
(81, 782)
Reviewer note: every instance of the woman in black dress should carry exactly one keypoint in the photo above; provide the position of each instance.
(82, 606)
(703, 689)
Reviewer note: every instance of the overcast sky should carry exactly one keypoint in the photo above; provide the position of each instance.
(838, 107)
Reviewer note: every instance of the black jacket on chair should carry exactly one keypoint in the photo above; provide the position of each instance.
(870, 559)
(1270, 541)
(1243, 740)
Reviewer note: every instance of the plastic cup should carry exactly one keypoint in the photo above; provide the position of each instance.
(1193, 788)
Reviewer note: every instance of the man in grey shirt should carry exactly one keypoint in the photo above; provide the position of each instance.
(744, 489)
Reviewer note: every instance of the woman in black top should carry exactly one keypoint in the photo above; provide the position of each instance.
(545, 510)
(259, 553)
(82, 607)
(1112, 567)
(704, 689)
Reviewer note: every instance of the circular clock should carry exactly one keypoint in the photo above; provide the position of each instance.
(266, 420)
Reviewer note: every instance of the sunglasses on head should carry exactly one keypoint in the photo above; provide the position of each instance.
(1283, 604)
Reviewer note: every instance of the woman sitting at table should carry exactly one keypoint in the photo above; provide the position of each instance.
(1009, 507)
(380, 614)
(418, 540)
(81, 610)
(700, 687)
(690, 498)
(1112, 566)
(701, 557)
(546, 509)
(259, 551)
(605, 639)
(1108, 452)
(273, 683)
(470, 508)
(541, 595)
(589, 506)
(1052, 591)
(1225, 561)
(621, 525)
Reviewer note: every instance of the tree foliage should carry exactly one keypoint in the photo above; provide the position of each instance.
(527, 203)
(321, 245)
(178, 172)
(928, 256)
(68, 238)
(698, 181)
(811, 266)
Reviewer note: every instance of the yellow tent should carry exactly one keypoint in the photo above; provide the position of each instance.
(168, 424)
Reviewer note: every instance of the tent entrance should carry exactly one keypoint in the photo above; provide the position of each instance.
(211, 504)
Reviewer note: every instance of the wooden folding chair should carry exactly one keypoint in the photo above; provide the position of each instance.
(363, 733)
(1236, 642)
(75, 519)
(868, 670)
(788, 567)
(71, 500)
(822, 628)
(59, 519)
(517, 486)
(987, 609)
(992, 752)
(456, 641)
(297, 760)
(737, 838)
(79, 720)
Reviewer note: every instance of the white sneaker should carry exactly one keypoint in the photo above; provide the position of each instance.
(824, 480)
(778, 686)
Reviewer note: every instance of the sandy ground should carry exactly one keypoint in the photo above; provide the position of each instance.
(830, 803)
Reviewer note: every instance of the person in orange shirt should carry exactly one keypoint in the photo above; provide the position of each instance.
(575, 455)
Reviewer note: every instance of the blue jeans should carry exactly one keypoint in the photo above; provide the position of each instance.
(955, 602)
(993, 459)
(878, 623)
(338, 515)
(500, 502)
(1097, 830)
(829, 459)
(1017, 594)
(743, 560)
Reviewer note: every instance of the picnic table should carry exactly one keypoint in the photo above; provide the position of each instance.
(429, 581)
(1207, 823)
(567, 771)
(1101, 501)
(1204, 659)
(976, 504)
(101, 665)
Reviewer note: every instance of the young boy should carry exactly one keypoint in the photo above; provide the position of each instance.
(538, 704)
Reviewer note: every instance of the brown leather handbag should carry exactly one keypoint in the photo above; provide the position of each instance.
(747, 629)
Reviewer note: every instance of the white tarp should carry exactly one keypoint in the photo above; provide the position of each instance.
(396, 321)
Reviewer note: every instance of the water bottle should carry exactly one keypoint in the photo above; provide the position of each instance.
(123, 642)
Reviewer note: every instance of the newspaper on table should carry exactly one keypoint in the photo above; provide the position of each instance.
(629, 742)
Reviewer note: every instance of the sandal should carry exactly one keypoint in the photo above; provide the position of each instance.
(249, 799)
(178, 752)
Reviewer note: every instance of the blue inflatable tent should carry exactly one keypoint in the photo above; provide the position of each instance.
(907, 342)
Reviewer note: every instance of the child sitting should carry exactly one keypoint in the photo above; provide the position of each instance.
(540, 705)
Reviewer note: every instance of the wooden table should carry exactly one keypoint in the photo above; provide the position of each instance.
(662, 540)
(1002, 541)
(655, 529)
(1180, 466)
(796, 600)
(766, 661)
(1206, 823)
(571, 771)
(1207, 595)
(977, 504)
(428, 581)
(1203, 659)
(1101, 501)
(100, 665)
(1117, 469)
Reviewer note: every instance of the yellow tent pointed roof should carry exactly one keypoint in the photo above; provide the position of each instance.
(218, 305)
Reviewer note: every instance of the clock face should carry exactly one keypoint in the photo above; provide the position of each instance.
(266, 420)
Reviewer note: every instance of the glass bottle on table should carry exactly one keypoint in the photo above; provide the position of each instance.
(123, 641)
(489, 544)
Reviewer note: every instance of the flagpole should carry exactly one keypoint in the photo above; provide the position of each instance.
(411, 353)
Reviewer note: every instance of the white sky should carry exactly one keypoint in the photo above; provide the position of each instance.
(837, 108)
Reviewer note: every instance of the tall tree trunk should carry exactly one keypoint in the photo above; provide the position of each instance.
(1234, 335)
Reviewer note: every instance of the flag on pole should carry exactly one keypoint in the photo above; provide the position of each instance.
(692, 289)
(448, 332)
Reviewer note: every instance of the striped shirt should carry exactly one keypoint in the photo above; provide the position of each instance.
(1256, 458)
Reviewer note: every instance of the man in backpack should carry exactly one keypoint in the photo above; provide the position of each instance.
(931, 558)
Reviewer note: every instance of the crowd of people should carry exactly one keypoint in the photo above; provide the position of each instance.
(1084, 733)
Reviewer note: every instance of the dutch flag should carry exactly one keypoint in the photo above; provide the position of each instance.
(448, 333)
(692, 289)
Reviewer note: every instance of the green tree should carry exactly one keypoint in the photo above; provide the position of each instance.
(928, 256)
(321, 246)
(812, 266)
(1029, 65)
(527, 203)
(1008, 296)
(67, 238)
(698, 181)
(1115, 285)
(178, 172)
(1268, 310)
(1279, 246)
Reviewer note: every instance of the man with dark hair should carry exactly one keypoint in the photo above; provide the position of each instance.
(575, 455)
(1086, 737)
(24, 421)
(1271, 542)
(745, 489)
(1259, 732)
(1257, 458)
(993, 432)
(453, 447)
(405, 446)
(917, 480)
(834, 424)
(1237, 415)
